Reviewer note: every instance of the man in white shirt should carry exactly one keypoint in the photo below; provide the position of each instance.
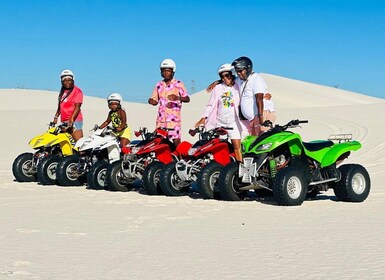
(252, 88)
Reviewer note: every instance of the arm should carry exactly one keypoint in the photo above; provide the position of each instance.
(259, 100)
(57, 114)
(182, 95)
(202, 122)
(212, 85)
(123, 118)
(106, 122)
(174, 97)
(267, 96)
(213, 101)
(153, 100)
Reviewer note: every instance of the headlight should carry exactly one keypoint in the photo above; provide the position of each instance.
(265, 147)
(192, 151)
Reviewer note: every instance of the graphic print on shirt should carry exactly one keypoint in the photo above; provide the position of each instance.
(227, 99)
(115, 119)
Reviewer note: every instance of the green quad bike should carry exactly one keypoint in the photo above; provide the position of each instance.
(278, 160)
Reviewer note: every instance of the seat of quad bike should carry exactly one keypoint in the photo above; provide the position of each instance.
(317, 145)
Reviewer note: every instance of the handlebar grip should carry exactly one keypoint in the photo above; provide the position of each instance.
(192, 132)
(304, 121)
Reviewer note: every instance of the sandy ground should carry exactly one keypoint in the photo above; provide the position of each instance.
(50, 232)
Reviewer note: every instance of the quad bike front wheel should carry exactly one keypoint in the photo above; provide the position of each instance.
(22, 168)
(116, 180)
(66, 171)
(289, 187)
(171, 183)
(229, 183)
(208, 179)
(151, 178)
(46, 170)
(354, 185)
(97, 176)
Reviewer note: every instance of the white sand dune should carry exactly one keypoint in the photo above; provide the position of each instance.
(74, 233)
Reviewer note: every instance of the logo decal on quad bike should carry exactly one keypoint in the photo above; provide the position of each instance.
(247, 170)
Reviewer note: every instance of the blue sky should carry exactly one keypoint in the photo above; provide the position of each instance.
(116, 46)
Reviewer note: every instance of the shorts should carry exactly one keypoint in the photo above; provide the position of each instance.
(126, 133)
(233, 133)
(78, 125)
(175, 133)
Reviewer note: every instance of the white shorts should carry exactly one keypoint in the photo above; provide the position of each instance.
(233, 133)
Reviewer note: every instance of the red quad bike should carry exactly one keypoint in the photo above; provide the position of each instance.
(205, 160)
(145, 161)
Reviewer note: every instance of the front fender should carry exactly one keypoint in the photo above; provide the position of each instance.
(66, 142)
(293, 140)
(337, 150)
(41, 140)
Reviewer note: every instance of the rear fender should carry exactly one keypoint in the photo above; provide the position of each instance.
(338, 150)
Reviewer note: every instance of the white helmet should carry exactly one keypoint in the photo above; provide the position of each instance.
(67, 73)
(226, 68)
(114, 97)
(168, 63)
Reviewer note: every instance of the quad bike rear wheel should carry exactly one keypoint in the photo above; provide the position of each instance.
(354, 185)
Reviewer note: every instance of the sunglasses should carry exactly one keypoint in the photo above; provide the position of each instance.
(239, 70)
(227, 75)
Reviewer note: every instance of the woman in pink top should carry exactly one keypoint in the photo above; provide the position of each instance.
(169, 94)
(223, 109)
(69, 102)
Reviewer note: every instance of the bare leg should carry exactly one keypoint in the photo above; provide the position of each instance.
(124, 142)
(176, 142)
(237, 149)
(77, 134)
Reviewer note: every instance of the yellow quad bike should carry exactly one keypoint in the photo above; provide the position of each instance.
(41, 165)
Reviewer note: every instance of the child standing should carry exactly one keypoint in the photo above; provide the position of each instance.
(117, 116)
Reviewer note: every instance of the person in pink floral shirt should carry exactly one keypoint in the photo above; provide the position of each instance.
(169, 94)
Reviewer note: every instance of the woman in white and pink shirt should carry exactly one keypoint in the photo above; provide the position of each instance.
(223, 108)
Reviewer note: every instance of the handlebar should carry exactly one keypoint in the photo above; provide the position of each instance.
(292, 123)
(207, 134)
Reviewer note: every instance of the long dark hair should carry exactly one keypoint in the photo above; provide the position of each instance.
(62, 92)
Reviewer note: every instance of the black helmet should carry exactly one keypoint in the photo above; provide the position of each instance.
(241, 63)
